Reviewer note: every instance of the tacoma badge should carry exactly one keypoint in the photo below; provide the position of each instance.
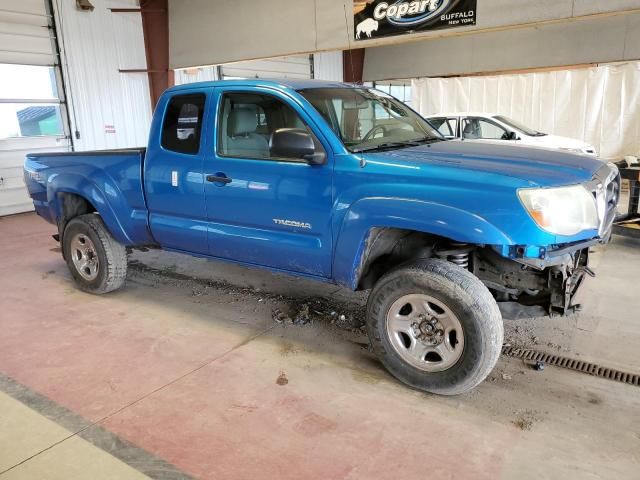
(291, 223)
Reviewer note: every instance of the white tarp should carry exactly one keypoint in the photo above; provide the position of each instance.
(600, 105)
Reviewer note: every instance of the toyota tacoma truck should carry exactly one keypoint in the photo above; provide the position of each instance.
(342, 184)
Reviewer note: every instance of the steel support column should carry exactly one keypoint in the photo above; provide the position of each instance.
(353, 65)
(155, 25)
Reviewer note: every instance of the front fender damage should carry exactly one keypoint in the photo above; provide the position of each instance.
(553, 286)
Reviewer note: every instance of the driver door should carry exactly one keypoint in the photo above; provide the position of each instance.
(262, 209)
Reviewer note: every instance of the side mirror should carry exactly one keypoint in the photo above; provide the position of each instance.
(295, 143)
(512, 136)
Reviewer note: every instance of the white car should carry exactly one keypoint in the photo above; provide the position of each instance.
(489, 126)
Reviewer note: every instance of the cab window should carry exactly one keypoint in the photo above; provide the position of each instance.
(247, 121)
(183, 123)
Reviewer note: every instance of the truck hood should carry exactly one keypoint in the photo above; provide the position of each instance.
(535, 166)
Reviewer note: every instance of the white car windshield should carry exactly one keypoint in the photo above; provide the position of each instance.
(367, 119)
(518, 126)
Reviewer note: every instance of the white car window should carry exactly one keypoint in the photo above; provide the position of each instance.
(446, 126)
(476, 127)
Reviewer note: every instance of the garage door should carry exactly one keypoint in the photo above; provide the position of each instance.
(31, 111)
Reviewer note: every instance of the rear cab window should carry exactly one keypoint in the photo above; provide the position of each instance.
(182, 125)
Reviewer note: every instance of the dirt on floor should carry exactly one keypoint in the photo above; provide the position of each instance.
(514, 392)
(325, 324)
(285, 310)
(525, 327)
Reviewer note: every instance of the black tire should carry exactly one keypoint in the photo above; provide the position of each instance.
(111, 255)
(466, 296)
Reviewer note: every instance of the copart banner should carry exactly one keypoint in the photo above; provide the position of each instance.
(376, 18)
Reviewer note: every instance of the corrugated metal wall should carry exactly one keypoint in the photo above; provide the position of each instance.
(191, 75)
(298, 66)
(326, 66)
(108, 108)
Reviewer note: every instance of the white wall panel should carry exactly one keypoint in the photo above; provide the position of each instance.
(328, 66)
(191, 75)
(110, 109)
(600, 105)
(129, 40)
(296, 66)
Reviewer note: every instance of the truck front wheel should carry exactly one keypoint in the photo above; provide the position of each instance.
(98, 263)
(435, 326)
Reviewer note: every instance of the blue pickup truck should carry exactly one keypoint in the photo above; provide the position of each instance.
(341, 184)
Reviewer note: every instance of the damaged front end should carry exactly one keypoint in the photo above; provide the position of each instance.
(552, 285)
(550, 276)
(550, 280)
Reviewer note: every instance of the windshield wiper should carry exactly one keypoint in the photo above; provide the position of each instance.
(427, 140)
(380, 146)
(404, 143)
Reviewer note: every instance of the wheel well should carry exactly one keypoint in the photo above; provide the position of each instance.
(71, 206)
(385, 248)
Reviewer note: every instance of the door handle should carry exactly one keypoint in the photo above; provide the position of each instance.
(220, 178)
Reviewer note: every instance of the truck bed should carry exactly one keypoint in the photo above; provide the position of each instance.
(111, 180)
(115, 151)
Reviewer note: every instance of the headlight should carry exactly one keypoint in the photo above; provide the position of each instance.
(561, 211)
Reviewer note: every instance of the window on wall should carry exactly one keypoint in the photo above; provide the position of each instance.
(29, 102)
(183, 123)
(399, 89)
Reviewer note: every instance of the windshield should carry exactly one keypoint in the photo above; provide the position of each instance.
(367, 119)
(518, 126)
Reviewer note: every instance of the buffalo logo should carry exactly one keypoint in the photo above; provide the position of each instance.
(405, 14)
(367, 27)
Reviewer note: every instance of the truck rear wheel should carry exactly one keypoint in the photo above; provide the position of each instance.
(98, 263)
(435, 326)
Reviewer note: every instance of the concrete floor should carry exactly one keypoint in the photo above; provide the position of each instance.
(183, 377)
